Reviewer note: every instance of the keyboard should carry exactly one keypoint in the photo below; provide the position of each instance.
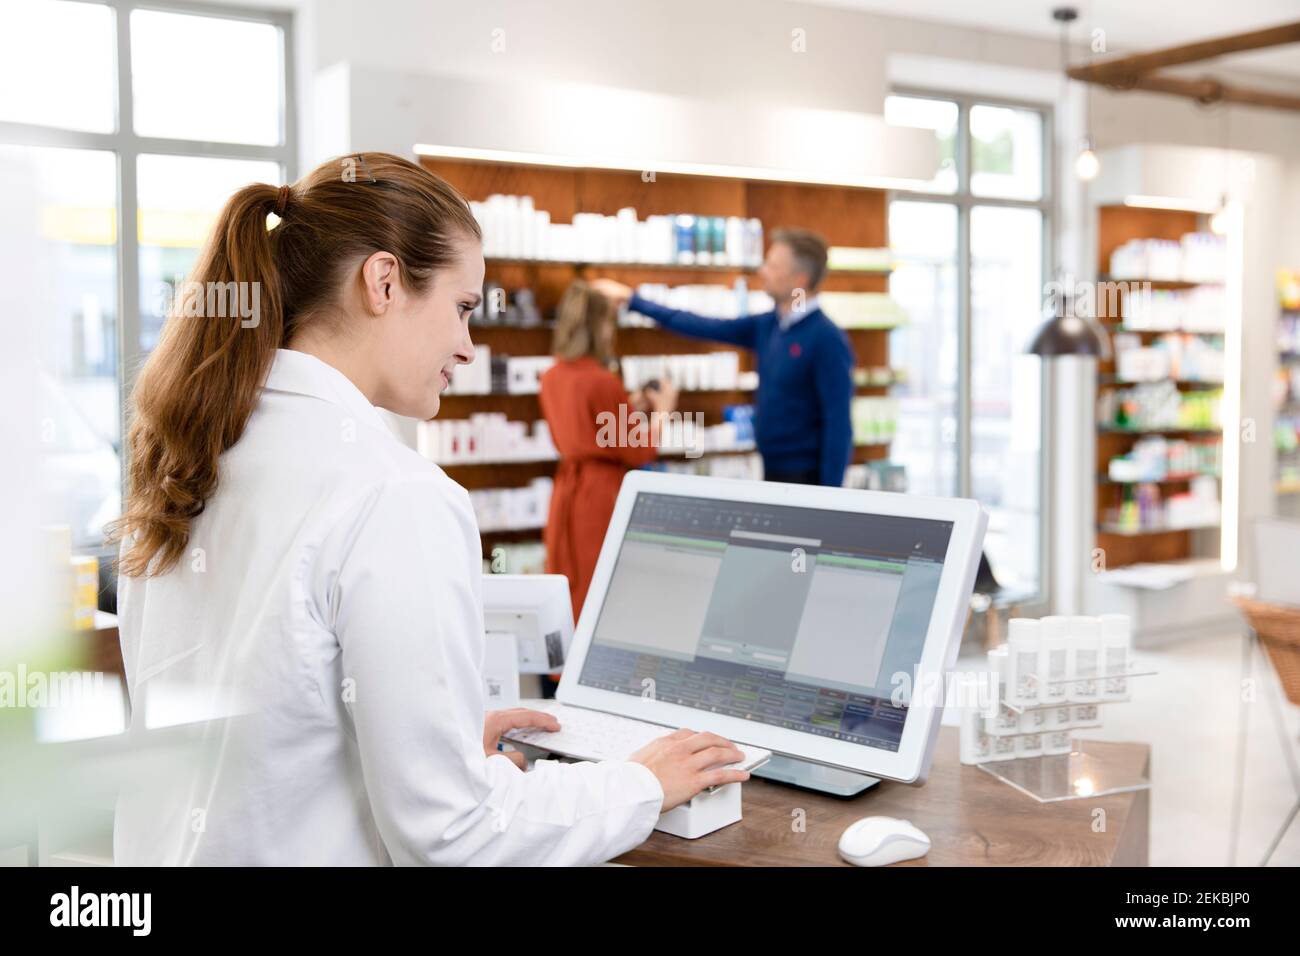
(593, 735)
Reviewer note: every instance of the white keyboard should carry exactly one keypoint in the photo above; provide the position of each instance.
(592, 735)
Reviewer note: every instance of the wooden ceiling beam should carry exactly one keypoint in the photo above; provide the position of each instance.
(1137, 71)
(1212, 91)
(1122, 70)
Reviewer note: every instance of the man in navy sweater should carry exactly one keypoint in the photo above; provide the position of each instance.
(805, 362)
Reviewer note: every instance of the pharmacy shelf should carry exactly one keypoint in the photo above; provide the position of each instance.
(1189, 383)
(1170, 284)
(1117, 225)
(507, 535)
(1112, 430)
(845, 215)
(1141, 532)
(466, 472)
(1128, 330)
(685, 267)
(1166, 480)
(736, 395)
(515, 473)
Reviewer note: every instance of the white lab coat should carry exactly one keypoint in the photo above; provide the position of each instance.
(327, 627)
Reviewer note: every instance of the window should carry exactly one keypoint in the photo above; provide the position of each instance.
(132, 132)
(923, 237)
(970, 252)
(179, 199)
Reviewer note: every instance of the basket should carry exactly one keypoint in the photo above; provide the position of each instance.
(1278, 628)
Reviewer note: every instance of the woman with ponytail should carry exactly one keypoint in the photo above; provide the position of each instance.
(581, 399)
(304, 589)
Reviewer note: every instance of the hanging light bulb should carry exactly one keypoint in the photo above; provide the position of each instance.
(1086, 164)
(1219, 221)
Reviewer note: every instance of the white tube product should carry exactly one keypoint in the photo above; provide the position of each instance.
(1006, 722)
(1116, 647)
(1084, 659)
(1034, 720)
(1029, 745)
(1003, 739)
(976, 744)
(1053, 633)
(1055, 638)
(1025, 662)
(1086, 715)
(1057, 742)
(1060, 717)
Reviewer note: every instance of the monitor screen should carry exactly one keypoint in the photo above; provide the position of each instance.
(795, 617)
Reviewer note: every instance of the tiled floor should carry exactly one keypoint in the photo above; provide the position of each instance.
(1188, 712)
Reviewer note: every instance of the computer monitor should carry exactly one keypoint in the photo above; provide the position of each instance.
(800, 619)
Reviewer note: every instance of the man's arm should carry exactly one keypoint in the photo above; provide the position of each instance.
(742, 331)
(834, 377)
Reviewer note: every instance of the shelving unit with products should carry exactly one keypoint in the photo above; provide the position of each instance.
(690, 239)
(1286, 394)
(1159, 437)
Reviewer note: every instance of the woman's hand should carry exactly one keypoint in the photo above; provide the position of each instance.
(616, 292)
(681, 762)
(664, 398)
(497, 722)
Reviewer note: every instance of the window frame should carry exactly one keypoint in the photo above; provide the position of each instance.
(965, 201)
(127, 147)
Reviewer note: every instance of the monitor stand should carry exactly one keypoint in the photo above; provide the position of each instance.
(814, 776)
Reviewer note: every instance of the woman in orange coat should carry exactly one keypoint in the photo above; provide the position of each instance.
(574, 394)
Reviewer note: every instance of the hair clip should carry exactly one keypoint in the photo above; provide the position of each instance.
(365, 168)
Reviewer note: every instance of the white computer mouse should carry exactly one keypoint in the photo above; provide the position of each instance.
(879, 841)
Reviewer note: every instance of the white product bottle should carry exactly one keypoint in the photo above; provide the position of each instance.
(1053, 634)
(976, 744)
(735, 241)
(1025, 662)
(1006, 721)
(1034, 720)
(1116, 646)
(1085, 659)
(1086, 715)
(1029, 745)
(1060, 717)
(1056, 742)
(753, 242)
(1004, 748)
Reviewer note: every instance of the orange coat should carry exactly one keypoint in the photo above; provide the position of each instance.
(573, 393)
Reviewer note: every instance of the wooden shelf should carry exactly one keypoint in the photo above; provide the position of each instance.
(1168, 480)
(844, 216)
(1123, 330)
(510, 535)
(516, 474)
(1115, 226)
(1140, 532)
(713, 267)
(1191, 383)
(1107, 430)
(1170, 284)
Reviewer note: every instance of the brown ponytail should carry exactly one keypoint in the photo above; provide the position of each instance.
(585, 323)
(251, 289)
